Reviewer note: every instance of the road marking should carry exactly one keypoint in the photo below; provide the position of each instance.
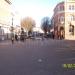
(39, 60)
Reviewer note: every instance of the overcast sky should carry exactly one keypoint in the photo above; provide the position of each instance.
(37, 9)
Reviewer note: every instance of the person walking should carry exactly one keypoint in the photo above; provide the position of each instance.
(53, 35)
(12, 40)
(22, 35)
(16, 37)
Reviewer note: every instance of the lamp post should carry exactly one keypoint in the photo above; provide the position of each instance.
(12, 33)
(12, 21)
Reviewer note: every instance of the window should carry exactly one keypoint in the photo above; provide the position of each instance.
(71, 7)
(71, 29)
(60, 8)
(72, 18)
(61, 19)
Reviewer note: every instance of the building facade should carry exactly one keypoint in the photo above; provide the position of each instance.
(9, 18)
(63, 20)
(5, 16)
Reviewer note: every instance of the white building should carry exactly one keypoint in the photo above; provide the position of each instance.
(8, 17)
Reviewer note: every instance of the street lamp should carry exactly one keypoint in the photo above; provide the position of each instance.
(12, 33)
(12, 21)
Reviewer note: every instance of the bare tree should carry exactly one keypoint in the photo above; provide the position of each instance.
(45, 24)
(28, 23)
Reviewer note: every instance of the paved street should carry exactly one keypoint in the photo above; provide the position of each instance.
(37, 57)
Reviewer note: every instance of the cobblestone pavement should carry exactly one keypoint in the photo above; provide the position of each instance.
(37, 57)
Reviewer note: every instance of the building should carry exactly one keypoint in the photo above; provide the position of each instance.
(63, 20)
(5, 16)
(16, 21)
(9, 18)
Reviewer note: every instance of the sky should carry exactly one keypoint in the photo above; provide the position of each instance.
(37, 9)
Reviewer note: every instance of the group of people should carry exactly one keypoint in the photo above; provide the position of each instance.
(17, 38)
(20, 37)
(59, 35)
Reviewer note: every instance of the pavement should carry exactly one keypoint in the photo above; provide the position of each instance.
(37, 57)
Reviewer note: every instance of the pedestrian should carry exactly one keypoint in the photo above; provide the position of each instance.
(12, 40)
(53, 35)
(42, 36)
(22, 37)
(62, 35)
(16, 37)
(59, 35)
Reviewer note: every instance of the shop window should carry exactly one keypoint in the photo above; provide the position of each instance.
(71, 29)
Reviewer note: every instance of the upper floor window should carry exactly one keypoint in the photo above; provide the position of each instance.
(61, 19)
(8, 1)
(71, 7)
(72, 18)
(60, 8)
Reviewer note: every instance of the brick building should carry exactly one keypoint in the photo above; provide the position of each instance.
(63, 20)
